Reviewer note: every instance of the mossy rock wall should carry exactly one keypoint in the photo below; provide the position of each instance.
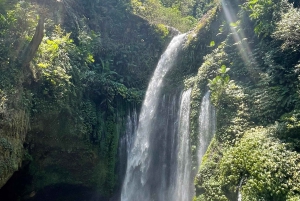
(63, 112)
(255, 96)
(14, 125)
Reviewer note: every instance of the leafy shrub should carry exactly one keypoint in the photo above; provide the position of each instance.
(17, 27)
(265, 14)
(268, 170)
(161, 30)
(219, 84)
(155, 12)
(288, 29)
(52, 63)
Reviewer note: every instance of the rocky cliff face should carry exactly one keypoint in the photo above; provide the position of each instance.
(11, 145)
(61, 116)
(257, 103)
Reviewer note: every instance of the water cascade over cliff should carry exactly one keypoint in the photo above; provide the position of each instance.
(149, 163)
(159, 165)
(127, 139)
(207, 125)
(183, 183)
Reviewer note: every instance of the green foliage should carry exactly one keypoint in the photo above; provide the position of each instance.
(52, 64)
(232, 114)
(288, 29)
(155, 12)
(196, 8)
(3, 102)
(88, 115)
(271, 102)
(2, 3)
(107, 85)
(262, 88)
(207, 182)
(206, 23)
(81, 84)
(17, 26)
(264, 85)
(265, 14)
(6, 5)
(88, 44)
(208, 70)
(111, 146)
(185, 7)
(198, 52)
(269, 171)
(161, 30)
(219, 84)
(291, 123)
(288, 128)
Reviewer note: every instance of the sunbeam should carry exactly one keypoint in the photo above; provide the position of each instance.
(240, 39)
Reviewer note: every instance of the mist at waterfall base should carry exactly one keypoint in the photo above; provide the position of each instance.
(159, 166)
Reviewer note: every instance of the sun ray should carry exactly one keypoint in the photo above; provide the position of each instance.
(240, 40)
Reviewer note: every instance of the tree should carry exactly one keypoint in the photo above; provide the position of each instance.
(288, 29)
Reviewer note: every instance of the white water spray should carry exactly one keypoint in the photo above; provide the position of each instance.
(141, 177)
(207, 125)
(184, 180)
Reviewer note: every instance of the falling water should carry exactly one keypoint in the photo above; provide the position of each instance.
(239, 190)
(131, 126)
(207, 125)
(152, 161)
(126, 140)
(183, 190)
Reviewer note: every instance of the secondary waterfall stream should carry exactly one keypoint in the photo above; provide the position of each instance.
(183, 184)
(159, 166)
(207, 125)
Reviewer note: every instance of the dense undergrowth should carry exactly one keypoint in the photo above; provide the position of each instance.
(254, 81)
(182, 15)
(61, 114)
(62, 111)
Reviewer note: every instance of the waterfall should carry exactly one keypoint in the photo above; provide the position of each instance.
(152, 161)
(239, 190)
(183, 190)
(207, 125)
(131, 126)
(126, 140)
(159, 165)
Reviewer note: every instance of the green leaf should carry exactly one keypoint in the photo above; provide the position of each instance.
(222, 69)
(233, 24)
